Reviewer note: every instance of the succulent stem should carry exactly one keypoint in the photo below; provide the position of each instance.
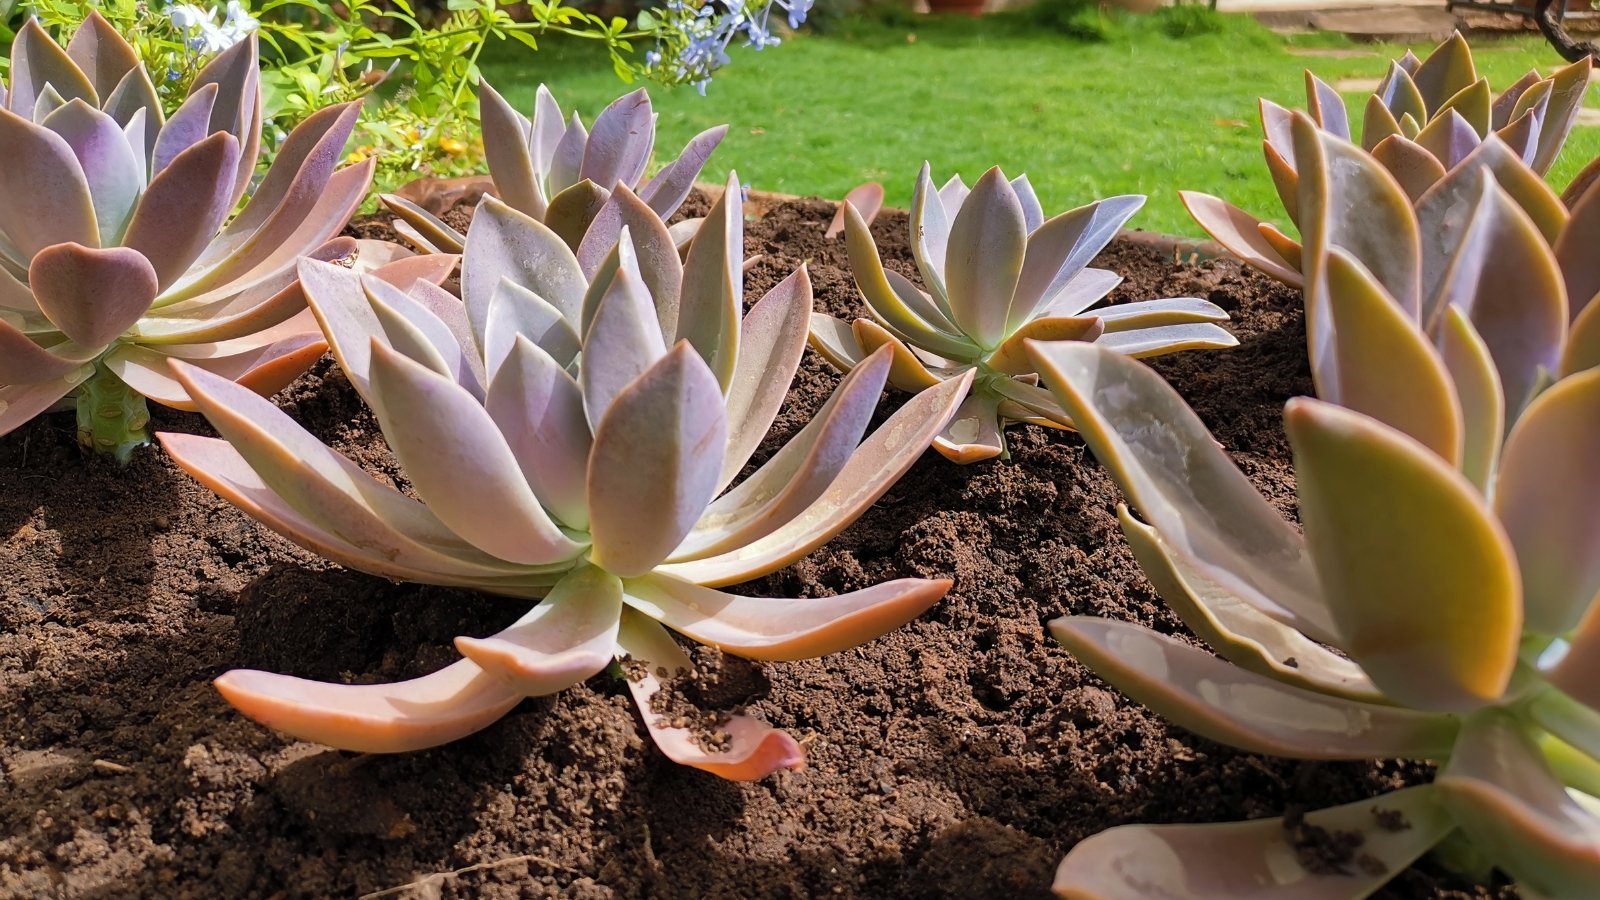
(112, 417)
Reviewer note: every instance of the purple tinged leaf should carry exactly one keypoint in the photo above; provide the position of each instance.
(658, 450)
(1583, 343)
(568, 638)
(112, 172)
(189, 125)
(621, 344)
(299, 169)
(1503, 795)
(460, 463)
(1547, 496)
(410, 339)
(22, 361)
(237, 74)
(423, 229)
(1567, 89)
(1449, 137)
(101, 53)
(652, 245)
(921, 305)
(1088, 288)
(1413, 167)
(44, 198)
(1400, 95)
(954, 193)
(92, 295)
(713, 285)
(1285, 180)
(133, 96)
(1419, 575)
(506, 149)
(780, 629)
(1326, 107)
(183, 207)
(20, 403)
(930, 237)
(36, 61)
(1575, 252)
(1032, 211)
(988, 243)
(1254, 860)
(515, 311)
(1142, 314)
(1472, 103)
(1275, 131)
(1184, 485)
(544, 134)
(1061, 248)
(1501, 114)
(503, 243)
(567, 158)
(619, 145)
(670, 187)
(1222, 702)
(539, 409)
(340, 305)
(772, 338)
(1239, 232)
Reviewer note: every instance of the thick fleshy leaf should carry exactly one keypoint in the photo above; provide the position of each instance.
(953, 193)
(19, 403)
(184, 206)
(1142, 314)
(572, 211)
(459, 463)
(875, 465)
(539, 409)
(548, 128)
(101, 53)
(1502, 793)
(135, 104)
(44, 198)
(973, 432)
(1420, 578)
(1378, 124)
(1184, 485)
(567, 157)
(92, 295)
(264, 369)
(1255, 860)
(887, 305)
(110, 168)
(1472, 104)
(797, 474)
(189, 125)
(772, 340)
(1377, 362)
(1237, 630)
(1578, 672)
(1032, 211)
(36, 61)
(651, 244)
(619, 144)
(987, 247)
(657, 454)
(922, 305)
(504, 243)
(868, 201)
(835, 341)
(424, 230)
(930, 236)
(22, 361)
(1012, 356)
(569, 637)
(516, 311)
(780, 629)
(1524, 185)
(1238, 231)
(1414, 168)
(1163, 339)
(1583, 343)
(713, 285)
(1220, 701)
(1326, 107)
(906, 371)
(1575, 251)
(1547, 496)
(1088, 288)
(1445, 71)
(1483, 405)
(622, 343)
(740, 749)
(373, 718)
(670, 186)
(1400, 95)
(1059, 249)
(337, 299)
(1567, 89)
(507, 151)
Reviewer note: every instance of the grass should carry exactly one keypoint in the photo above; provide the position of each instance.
(1140, 113)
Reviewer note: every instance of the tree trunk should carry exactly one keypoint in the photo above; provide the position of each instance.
(1556, 33)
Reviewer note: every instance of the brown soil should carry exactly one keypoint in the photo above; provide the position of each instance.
(960, 756)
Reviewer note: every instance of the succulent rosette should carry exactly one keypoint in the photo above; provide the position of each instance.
(1427, 117)
(574, 435)
(559, 172)
(999, 274)
(119, 246)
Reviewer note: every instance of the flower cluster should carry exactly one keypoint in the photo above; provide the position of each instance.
(201, 31)
(695, 42)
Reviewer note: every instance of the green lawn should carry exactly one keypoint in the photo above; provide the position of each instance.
(1144, 113)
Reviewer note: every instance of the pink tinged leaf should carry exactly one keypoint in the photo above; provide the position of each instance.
(713, 285)
(237, 74)
(619, 144)
(876, 465)
(403, 272)
(930, 236)
(1156, 313)
(135, 104)
(1254, 860)
(44, 198)
(185, 204)
(36, 61)
(92, 295)
(1420, 577)
(340, 305)
(1445, 71)
(460, 464)
(189, 125)
(887, 305)
(1237, 630)
(101, 53)
(111, 170)
(539, 409)
(775, 629)
(1520, 137)
(657, 453)
(424, 230)
(1413, 167)
(1060, 249)
(772, 338)
(868, 201)
(1575, 251)
(20, 403)
(22, 361)
(506, 149)
(264, 369)
(1184, 485)
(651, 244)
(1085, 290)
(1567, 88)
(747, 749)
(412, 338)
(1326, 107)
(1376, 361)
(1525, 186)
(503, 243)
(1240, 233)
(1547, 496)
(1583, 342)
(794, 477)
(447, 308)
(1163, 339)
(567, 158)
(1286, 247)
(1500, 112)
(1285, 180)
(516, 311)
(906, 371)
(670, 187)
(569, 637)
(1449, 137)
(1578, 674)
(622, 342)
(1348, 200)
(835, 341)
(1503, 795)
(1275, 130)
(1222, 702)
(391, 536)
(1012, 356)
(988, 244)
(1506, 279)
(373, 718)
(973, 432)
(1483, 409)
(1029, 403)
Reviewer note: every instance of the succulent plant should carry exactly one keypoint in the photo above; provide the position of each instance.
(611, 494)
(116, 248)
(560, 173)
(998, 273)
(1427, 118)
